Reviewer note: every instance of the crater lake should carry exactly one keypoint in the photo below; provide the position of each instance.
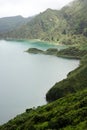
(25, 78)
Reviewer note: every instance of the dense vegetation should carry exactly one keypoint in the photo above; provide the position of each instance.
(76, 80)
(55, 25)
(70, 52)
(67, 100)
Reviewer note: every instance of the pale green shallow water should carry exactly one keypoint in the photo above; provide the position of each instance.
(25, 78)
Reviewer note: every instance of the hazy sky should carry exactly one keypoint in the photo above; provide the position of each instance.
(28, 7)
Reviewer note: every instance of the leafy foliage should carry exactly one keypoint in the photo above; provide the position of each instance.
(76, 80)
(63, 114)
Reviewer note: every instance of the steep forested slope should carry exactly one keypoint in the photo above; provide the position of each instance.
(76, 16)
(55, 25)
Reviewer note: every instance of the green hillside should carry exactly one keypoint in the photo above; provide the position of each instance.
(76, 16)
(76, 80)
(55, 25)
(37, 28)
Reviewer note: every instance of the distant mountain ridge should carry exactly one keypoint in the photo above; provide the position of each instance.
(52, 25)
(10, 23)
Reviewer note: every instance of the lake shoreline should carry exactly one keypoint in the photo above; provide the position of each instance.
(33, 40)
(19, 71)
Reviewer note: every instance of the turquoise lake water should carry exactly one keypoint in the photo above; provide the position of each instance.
(26, 78)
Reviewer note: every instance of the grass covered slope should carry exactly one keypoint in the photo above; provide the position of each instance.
(76, 17)
(70, 52)
(68, 113)
(76, 80)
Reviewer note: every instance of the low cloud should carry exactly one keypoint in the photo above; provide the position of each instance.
(28, 7)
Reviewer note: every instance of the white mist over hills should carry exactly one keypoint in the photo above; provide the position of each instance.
(28, 8)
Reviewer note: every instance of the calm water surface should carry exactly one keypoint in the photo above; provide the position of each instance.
(25, 78)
